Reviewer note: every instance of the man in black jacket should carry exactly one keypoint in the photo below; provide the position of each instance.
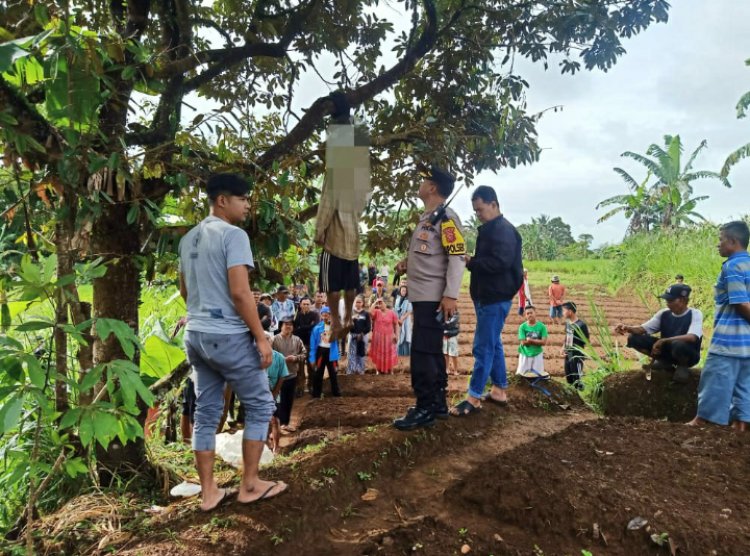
(496, 275)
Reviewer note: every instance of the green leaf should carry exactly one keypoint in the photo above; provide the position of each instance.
(124, 334)
(10, 412)
(37, 376)
(86, 429)
(91, 378)
(130, 382)
(33, 325)
(74, 467)
(105, 428)
(9, 53)
(158, 357)
(70, 418)
(11, 366)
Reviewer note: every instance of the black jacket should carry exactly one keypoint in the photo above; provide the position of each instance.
(496, 267)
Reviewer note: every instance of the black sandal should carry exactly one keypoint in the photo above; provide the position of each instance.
(463, 409)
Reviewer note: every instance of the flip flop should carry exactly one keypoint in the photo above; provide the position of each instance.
(225, 499)
(463, 409)
(490, 399)
(265, 495)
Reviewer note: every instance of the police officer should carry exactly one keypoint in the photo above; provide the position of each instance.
(435, 265)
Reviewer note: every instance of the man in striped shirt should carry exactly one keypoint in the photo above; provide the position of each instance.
(724, 389)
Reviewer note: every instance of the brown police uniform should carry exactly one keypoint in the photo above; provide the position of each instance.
(435, 267)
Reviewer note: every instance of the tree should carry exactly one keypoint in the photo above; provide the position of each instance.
(744, 151)
(95, 98)
(544, 237)
(667, 202)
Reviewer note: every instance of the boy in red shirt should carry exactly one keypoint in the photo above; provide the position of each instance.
(556, 295)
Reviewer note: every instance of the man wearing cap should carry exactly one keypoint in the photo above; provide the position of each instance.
(556, 295)
(576, 337)
(680, 330)
(282, 307)
(324, 354)
(435, 265)
(224, 339)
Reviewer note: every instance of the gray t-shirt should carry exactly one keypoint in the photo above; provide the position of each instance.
(206, 253)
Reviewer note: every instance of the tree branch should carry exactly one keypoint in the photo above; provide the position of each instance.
(324, 106)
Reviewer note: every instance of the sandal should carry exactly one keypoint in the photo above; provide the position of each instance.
(267, 494)
(225, 499)
(490, 399)
(463, 409)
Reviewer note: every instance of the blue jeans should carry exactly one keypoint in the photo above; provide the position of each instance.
(724, 388)
(227, 358)
(489, 359)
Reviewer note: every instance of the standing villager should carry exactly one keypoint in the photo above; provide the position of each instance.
(576, 337)
(358, 338)
(295, 355)
(556, 294)
(435, 267)
(282, 307)
(524, 294)
(224, 339)
(384, 337)
(304, 322)
(404, 311)
(346, 190)
(724, 388)
(324, 354)
(496, 274)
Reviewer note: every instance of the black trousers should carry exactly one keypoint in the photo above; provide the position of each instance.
(286, 400)
(573, 368)
(427, 365)
(321, 364)
(684, 354)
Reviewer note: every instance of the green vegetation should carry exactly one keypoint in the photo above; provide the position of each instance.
(668, 202)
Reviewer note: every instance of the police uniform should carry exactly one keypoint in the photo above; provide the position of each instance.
(435, 268)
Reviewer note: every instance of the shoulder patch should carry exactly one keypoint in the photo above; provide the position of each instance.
(453, 241)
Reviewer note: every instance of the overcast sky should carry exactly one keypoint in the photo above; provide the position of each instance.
(683, 77)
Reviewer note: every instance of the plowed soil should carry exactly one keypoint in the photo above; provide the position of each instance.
(529, 478)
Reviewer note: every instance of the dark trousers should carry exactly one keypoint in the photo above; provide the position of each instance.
(427, 364)
(684, 354)
(286, 400)
(573, 369)
(321, 364)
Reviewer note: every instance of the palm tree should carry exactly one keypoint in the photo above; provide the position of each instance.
(744, 151)
(673, 186)
(639, 206)
(667, 202)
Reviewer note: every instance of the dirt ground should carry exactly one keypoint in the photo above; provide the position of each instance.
(530, 478)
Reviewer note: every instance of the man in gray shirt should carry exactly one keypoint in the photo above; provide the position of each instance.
(224, 339)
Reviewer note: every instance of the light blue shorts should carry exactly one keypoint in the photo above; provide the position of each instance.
(218, 359)
(724, 389)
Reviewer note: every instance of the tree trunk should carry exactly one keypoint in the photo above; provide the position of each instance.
(116, 296)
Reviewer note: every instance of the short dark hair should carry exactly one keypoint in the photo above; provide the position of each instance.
(486, 194)
(226, 184)
(738, 231)
(527, 307)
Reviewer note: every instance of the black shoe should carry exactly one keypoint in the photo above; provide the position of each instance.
(441, 412)
(681, 375)
(415, 418)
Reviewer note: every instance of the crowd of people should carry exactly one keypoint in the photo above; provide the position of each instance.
(233, 333)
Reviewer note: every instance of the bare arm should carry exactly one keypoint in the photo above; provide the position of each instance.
(244, 303)
(744, 310)
(625, 329)
(183, 287)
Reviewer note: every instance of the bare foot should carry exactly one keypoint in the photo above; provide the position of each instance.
(696, 422)
(215, 498)
(498, 394)
(261, 490)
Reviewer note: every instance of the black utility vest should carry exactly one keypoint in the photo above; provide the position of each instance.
(672, 326)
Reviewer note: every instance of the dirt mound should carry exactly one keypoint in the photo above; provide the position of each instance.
(353, 412)
(599, 475)
(631, 394)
